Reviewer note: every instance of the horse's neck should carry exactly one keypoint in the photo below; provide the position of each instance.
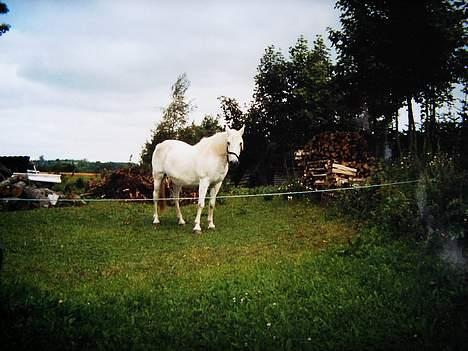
(215, 144)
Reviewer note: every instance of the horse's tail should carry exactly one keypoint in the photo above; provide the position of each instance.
(162, 194)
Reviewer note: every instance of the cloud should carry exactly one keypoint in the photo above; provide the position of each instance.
(91, 73)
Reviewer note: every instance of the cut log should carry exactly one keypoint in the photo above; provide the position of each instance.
(344, 168)
(342, 171)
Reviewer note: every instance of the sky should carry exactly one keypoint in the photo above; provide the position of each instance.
(88, 79)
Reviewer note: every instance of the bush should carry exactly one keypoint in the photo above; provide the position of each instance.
(434, 208)
(71, 185)
(270, 190)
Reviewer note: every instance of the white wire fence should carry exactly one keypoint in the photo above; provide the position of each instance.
(270, 194)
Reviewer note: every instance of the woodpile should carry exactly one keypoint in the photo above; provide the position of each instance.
(18, 188)
(335, 159)
(132, 183)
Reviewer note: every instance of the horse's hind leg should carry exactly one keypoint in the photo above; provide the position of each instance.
(158, 177)
(202, 189)
(177, 189)
(213, 192)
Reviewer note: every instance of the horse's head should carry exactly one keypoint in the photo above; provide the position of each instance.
(235, 144)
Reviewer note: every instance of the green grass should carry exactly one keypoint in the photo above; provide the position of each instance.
(273, 275)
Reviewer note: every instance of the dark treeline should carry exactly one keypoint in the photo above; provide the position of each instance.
(391, 56)
(77, 166)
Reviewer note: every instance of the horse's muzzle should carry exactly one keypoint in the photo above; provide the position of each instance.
(233, 160)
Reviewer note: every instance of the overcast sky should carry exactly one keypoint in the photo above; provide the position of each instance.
(88, 79)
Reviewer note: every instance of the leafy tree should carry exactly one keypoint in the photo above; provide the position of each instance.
(193, 133)
(174, 123)
(174, 118)
(3, 27)
(292, 101)
(392, 53)
(231, 112)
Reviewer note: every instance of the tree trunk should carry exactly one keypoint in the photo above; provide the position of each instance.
(411, 127)
(427, 135)
(464, 136)
(433, 129)
(397, 136)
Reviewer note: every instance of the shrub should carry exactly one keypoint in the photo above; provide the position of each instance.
(434, 208)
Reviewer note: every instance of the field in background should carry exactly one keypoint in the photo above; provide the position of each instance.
(273, 275)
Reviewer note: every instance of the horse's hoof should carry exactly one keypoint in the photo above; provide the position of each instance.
(197, 232)
(212, 227)
(181, 222)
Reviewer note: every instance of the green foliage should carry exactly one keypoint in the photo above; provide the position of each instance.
(293, 100)
(446, 197)
(174, 118)
(174, 122)
(389, 53)
(433, 209)
(72, 184)
(3, 27)
(274, 275)
(78, 166)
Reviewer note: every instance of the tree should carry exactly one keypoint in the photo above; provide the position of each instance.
(292, 98)
(231, 112)
(174, 118)
(292, 101)
(193, 133)
(174, 123)
(3, 27)
(391, 53)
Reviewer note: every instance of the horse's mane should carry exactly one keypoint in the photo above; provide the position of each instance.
(217, 142)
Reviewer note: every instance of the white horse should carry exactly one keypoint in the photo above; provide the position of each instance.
(204, 164)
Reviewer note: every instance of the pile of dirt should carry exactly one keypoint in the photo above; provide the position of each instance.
(130, 183)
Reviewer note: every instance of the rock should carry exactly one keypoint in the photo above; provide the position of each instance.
(16, 188)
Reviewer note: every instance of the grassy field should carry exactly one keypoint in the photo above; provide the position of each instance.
(273, 275)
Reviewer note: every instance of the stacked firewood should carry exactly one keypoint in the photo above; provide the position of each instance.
(335, 159)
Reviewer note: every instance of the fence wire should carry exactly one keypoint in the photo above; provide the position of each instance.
(286, 193)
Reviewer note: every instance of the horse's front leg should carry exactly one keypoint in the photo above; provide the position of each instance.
(213, 192)
(202, 189)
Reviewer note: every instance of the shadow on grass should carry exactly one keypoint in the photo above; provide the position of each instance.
(354, 301)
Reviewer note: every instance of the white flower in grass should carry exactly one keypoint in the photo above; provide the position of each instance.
(268, 324)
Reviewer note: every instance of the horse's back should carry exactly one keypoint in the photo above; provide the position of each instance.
(176, 159)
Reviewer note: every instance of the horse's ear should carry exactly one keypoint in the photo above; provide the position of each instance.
(241, 131)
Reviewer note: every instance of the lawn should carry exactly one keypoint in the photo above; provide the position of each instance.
(273, 275)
